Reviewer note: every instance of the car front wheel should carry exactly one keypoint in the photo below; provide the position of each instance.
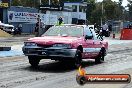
(34, 61)
(78, 58)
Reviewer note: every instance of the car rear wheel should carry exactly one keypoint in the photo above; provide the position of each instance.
(100, 57)
(78, 58)
(34, 61)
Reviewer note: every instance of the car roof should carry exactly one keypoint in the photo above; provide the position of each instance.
(2, 24)
(8, 25)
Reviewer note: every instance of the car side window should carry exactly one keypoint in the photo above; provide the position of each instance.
(88, 32)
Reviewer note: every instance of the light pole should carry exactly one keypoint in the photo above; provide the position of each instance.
(39, 18)
(102, 6)
(40, 2)
(49, 2)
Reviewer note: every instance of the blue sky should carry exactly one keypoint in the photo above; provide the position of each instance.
(124, 3)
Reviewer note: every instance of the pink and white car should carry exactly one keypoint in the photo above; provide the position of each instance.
(68, 42)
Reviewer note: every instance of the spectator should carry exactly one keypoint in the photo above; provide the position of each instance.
(20, 28)
(36, 31)
(110, 28)
(60, 21)
(42, 28)
(130, 26)
(105, 28)
(39, 28)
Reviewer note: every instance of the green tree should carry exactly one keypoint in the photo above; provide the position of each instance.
(130, 9)
(90, 8)
(120, 2)
(96, 14)
(16, 3)
(107, 10)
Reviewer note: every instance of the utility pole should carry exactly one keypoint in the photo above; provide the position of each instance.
(49, 2)
(102, 13)
(39, 18)
(40, 2)
(34, 3)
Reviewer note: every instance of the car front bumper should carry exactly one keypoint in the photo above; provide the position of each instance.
(49, 52)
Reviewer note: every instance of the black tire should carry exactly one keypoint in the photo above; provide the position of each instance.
(107, 34)
(100, 57)
(78, 58)
(9, 32)
(34, 61)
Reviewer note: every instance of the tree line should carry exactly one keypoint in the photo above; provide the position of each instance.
(105, 10)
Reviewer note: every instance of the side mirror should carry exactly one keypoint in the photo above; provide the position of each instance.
(88, 37)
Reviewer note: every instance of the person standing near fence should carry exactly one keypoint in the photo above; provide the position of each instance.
(36, 31)
(41, 27)
(20, 28)
(60, 21)
(39, 30)
(105, 28)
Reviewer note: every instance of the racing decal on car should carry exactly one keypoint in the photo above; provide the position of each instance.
(91, 49)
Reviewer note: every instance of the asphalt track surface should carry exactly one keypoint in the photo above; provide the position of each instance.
(16, 45)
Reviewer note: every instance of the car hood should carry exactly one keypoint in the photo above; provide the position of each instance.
(54, 39)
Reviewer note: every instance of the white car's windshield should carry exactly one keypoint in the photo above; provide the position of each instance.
(64, 31)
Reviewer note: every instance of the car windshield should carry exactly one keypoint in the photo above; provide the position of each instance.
(73, 31)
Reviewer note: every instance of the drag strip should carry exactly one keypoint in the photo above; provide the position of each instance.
(16, 72)
(16, 50)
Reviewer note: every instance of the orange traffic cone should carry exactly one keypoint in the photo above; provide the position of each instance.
(113, 35)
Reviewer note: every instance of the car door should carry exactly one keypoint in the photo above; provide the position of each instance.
(88, 48)
(97, 44)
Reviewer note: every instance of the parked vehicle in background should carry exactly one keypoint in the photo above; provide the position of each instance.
(107, 33)
(17, 31)
(7, 28)
(66, 43)
(1, 26)
(102, 32)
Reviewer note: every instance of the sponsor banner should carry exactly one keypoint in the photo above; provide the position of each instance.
(31, 17)
(22, 17)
